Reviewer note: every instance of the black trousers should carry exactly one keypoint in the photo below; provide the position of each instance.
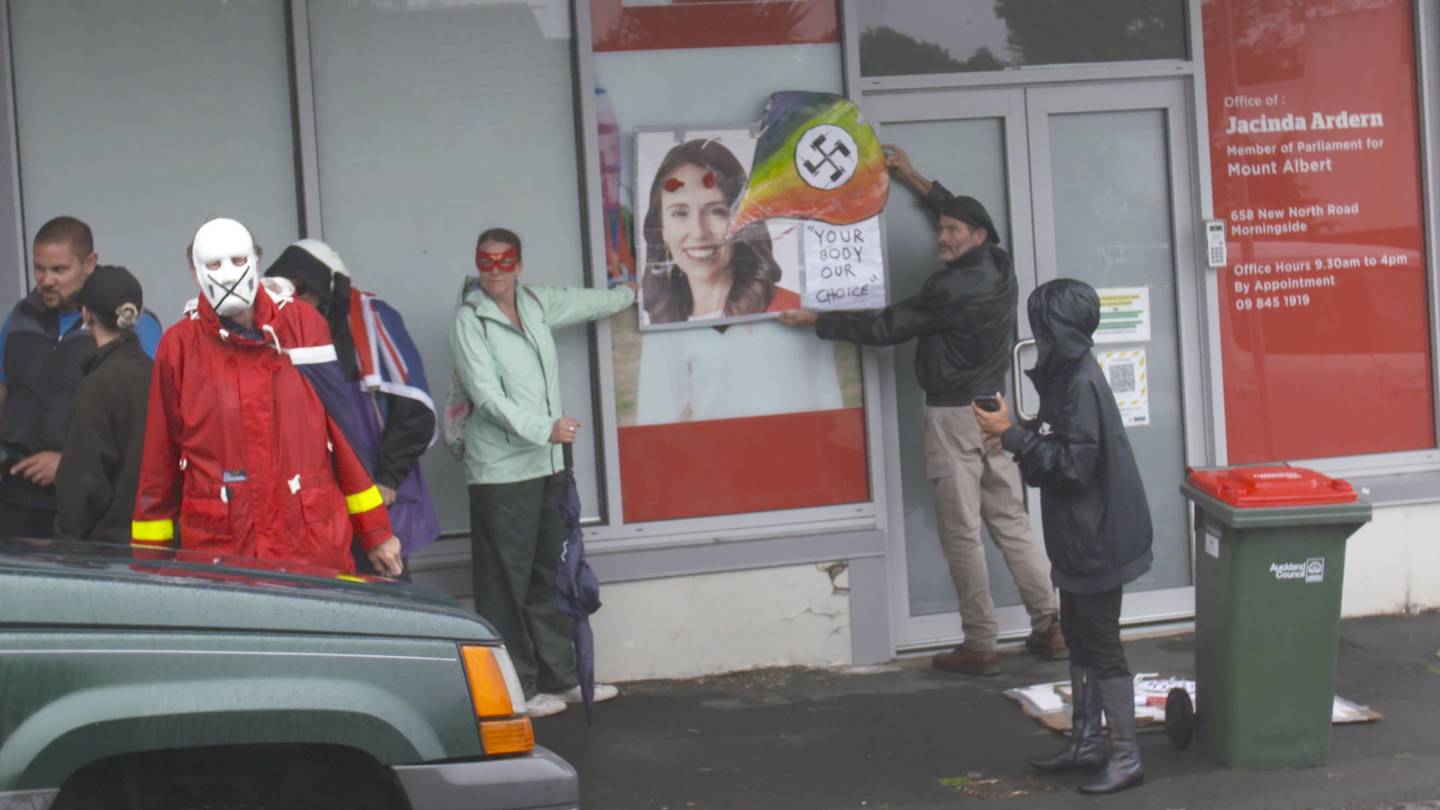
(516, 536)
(1091, 624)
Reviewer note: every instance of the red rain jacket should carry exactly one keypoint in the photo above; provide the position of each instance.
(240, 449)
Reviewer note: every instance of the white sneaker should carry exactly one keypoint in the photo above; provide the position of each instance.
(543, 705)
(603, 692)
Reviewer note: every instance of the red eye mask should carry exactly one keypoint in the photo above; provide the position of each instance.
(506, 262)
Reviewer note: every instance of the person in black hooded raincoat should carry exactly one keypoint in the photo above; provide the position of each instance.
(1097, 524)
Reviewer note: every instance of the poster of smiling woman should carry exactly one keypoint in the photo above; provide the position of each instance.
(694, 271)
(741, 225)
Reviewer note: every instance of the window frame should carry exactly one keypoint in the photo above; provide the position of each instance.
(617, 535)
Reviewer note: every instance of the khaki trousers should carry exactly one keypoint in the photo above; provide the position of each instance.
(978, 482)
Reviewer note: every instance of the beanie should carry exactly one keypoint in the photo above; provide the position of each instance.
(969, 211)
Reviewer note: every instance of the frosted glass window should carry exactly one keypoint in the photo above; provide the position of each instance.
(435, 122)
(968, 157)
(143, 118)
(1111, 181)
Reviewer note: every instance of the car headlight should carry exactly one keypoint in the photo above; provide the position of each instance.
(498, 700)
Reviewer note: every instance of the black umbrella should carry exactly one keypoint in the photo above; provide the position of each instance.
(577, 592)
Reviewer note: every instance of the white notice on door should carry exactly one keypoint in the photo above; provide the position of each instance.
(1124, 315)
(1125, 371)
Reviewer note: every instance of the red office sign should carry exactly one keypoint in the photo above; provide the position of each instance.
(1315, 160)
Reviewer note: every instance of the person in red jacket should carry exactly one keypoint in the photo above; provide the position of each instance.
(241, 456)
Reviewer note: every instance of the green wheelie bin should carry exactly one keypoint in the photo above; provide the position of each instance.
(1269, 570)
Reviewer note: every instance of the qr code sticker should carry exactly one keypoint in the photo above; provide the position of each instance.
(1122, 378)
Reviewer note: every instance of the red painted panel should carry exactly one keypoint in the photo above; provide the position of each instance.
(1315, 160)
(735, 466)
(712, 24)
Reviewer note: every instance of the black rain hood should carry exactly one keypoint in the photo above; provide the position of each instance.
(314, 267)
(1076, 451)
(1064, 315)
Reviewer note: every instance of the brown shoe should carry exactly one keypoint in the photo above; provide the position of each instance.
(968, 662)
(1048, 644)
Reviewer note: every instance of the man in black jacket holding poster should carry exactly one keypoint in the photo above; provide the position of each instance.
(963, 320)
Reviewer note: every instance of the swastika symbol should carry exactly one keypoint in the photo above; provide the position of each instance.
(826, 156)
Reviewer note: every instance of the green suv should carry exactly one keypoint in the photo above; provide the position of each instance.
(195, 681)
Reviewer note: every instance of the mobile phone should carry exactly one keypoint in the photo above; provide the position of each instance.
(987, 403)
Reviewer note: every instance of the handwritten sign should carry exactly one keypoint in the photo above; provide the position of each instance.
(844, 268)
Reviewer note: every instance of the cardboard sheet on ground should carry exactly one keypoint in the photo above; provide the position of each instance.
(1049, 703)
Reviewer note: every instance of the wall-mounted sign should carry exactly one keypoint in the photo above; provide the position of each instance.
(1128, 378)
(1315, 165)
(1124, 315)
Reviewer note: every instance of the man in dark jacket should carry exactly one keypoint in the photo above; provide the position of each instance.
(1097, 524)
(963, 319)
(43, 351)
(100, 467)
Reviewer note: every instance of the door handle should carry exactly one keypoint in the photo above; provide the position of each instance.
(1016, 374)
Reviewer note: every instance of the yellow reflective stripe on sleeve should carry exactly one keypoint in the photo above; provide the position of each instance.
(363, 501)
(152, 531)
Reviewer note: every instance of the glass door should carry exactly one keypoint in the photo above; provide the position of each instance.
(1114, 207)
(973, 141)
(1083, 181)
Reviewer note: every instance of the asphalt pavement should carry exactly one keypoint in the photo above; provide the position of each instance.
(905, 737)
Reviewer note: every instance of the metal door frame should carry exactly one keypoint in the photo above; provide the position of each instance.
(1007, 105)
(1022, 111)
(1168, 96)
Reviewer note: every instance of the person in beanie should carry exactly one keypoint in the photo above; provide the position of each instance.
(1097, 524)
(963, 320)
(100, 466)
(388, 415)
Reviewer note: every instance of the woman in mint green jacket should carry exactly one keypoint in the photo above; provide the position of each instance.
(505, 359)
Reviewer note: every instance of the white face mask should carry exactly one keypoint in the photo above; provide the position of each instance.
(226, 266)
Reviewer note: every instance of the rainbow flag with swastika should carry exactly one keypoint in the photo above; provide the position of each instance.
(815, 159)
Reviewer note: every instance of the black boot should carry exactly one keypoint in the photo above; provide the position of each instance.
(1086, 750)
(1124, 770)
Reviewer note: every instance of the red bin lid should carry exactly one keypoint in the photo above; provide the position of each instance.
(1263, 487)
